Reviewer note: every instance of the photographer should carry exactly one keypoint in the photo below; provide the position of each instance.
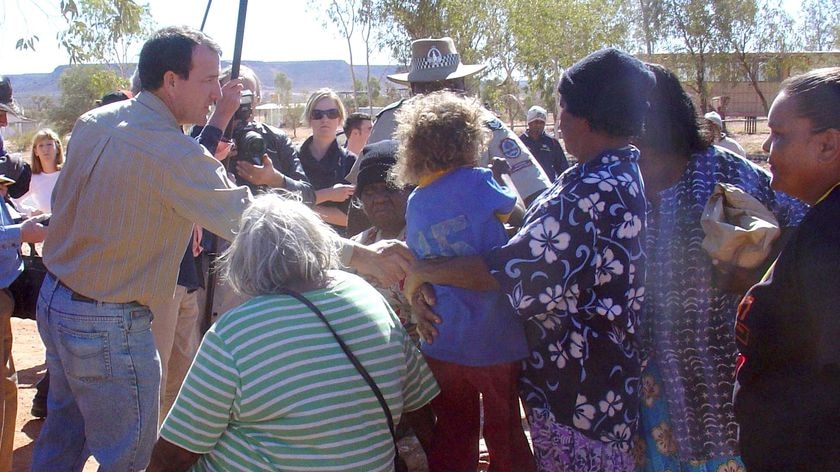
(261, 156)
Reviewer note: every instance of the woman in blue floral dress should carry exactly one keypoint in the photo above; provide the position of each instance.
(574, 275)
(687, 422)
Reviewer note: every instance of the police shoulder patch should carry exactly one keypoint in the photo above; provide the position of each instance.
(510, 148)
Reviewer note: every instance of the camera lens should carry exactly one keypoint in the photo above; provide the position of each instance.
(252, 147)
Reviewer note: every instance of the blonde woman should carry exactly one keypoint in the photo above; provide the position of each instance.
(47, 159)
(324, 161)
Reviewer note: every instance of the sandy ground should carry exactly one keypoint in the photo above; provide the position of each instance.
(28, 353)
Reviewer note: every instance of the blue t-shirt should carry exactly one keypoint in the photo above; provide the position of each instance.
(456, 216)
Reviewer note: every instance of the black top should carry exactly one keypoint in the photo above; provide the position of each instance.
(280, 150)
(548, 152)
(331, 169)
(787, 392)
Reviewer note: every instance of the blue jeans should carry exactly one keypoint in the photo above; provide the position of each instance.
(104, 382)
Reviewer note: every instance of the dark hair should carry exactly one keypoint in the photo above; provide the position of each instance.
(817, 95)
(454, 85)
(609, 89)
(354, 121)
(170, 49)
(672, 125)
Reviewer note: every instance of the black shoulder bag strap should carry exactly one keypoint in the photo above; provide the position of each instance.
(358, 365)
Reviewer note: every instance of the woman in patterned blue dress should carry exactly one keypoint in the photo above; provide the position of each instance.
(574, 275)
(686, 421)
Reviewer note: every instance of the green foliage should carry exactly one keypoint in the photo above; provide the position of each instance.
(103, 30)
(372, 91)
(691, 23)
(21, 142)
(549, 38)
(755, 32)
(40, 108)
(648, 19)
(81, 86)
(821, 25)
(24, 44)
(470, 23)
(291, 114)
(283, 84)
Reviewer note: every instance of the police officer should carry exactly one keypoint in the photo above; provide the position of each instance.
(545, 149)
(436, 65)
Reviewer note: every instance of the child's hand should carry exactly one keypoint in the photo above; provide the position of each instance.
(424, 316)
(499, 167)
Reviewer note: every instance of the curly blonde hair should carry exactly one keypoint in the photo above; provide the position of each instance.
(438, 132)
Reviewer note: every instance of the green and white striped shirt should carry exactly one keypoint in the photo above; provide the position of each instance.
(270, 389)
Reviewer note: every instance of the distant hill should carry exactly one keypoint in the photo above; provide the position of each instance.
(306, 76)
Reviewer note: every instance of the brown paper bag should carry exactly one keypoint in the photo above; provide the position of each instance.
(739, 229)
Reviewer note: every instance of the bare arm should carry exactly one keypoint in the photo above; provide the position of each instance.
(332, 215)
(468, 272)
(386, 261)
(227, 105)
(336, 193)
(167, 457)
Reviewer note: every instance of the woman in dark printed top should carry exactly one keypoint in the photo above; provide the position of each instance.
(574, 274)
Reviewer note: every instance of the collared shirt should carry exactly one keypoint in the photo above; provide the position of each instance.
(11, 264)
(124, 206)
(548, 152)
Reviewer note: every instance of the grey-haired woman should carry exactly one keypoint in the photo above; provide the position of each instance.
(270, 388)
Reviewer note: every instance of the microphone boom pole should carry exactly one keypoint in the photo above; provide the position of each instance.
(209, 315)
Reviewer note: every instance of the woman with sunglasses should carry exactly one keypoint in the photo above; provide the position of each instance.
(324, 161)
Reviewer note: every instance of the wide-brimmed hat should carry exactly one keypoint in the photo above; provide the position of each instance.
(13, 109)
(435, 59)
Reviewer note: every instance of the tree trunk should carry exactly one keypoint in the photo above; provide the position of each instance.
(352, 73)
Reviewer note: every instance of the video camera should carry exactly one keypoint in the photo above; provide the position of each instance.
(247, 136)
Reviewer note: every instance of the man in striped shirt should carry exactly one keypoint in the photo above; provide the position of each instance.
(125, 203)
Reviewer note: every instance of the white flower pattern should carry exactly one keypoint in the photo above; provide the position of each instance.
(575, 261)
(584, 413)
(547, 240)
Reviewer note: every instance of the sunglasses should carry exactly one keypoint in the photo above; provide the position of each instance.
(332, 114)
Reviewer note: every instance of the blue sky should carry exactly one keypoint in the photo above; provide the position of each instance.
(276, 30)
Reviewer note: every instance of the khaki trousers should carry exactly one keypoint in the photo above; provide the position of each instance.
(8, 383)
(176, 331)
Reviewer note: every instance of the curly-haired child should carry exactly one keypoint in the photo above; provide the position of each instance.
(458, 209)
